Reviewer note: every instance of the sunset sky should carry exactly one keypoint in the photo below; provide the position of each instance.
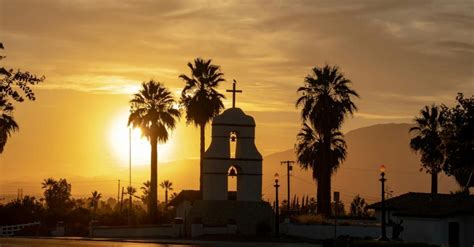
(400, 56)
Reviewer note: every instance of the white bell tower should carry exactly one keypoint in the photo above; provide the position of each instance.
(243, 162)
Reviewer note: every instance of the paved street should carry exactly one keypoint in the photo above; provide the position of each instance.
(18, 242)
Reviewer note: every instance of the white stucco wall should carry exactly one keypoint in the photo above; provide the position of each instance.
(436, 230)
(423, 230)
(139, 231)
(183, 209)
(468, 231)
(247, 160)
(327, 231)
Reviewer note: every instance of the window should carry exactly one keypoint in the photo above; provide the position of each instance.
(233, 144)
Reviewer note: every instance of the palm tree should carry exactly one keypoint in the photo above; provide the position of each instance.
(167, 185)
(427, 142)
(7, 123)
(152, 110)
(312, 153)
(146, 192)
(326, 100)
(94, 199)
(200, 98)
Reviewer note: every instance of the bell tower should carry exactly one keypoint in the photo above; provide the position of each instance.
(232, 153)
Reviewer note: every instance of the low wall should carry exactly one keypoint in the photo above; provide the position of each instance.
(176, 230)
(327, 231)
(10, 230)
(200, 229)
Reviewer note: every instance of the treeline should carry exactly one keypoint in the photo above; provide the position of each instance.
(444, 138)
(306, 205)
(57, 205)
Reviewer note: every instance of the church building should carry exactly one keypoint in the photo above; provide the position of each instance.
(232, 179)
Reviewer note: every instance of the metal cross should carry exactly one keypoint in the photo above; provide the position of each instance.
(233, 93)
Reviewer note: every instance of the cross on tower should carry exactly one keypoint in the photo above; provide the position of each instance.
(233, 93)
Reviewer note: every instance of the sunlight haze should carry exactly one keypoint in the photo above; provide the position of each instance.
(399, 55)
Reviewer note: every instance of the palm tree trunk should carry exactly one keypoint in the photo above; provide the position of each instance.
(325, 178)
(319, 193)
(325, 190)
(154, 179)
(434, 182)
(201, 157)
(166, 197)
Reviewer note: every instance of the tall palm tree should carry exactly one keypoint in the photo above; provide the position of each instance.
(312, 153)
(94, 199)
(427, 142)
(7, 123)
(200, 98)
(326, 100)
(152, 110)
(168, 186)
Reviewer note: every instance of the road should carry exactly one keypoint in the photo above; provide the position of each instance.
(26, 242)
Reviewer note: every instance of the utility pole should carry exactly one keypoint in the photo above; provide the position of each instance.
(118, 192)
(121, 202)
(289, 168)
(277, 213)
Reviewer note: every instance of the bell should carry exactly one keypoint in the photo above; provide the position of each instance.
(232, 138)
(232, 172)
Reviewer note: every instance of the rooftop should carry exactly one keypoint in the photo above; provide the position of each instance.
(428, 205)
(193, 195)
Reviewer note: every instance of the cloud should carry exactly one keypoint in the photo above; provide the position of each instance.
(408, 48)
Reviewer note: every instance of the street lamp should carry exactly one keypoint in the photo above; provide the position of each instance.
(277, 214)
(382, 180)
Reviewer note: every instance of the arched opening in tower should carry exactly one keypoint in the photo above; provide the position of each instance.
(233, 144)
(233, 176)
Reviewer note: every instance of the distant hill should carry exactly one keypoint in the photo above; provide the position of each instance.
(368, 148)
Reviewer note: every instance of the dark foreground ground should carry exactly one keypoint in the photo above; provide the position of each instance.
(43, 242)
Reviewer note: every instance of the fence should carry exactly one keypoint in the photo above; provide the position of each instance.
(11, 229)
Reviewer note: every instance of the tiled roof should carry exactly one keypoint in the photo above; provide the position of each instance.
(428, 205)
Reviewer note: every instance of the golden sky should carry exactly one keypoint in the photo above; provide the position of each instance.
(400, 55)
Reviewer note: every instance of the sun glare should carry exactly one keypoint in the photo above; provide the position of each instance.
(119, 143)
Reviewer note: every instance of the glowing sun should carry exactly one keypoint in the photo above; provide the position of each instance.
(120, 141)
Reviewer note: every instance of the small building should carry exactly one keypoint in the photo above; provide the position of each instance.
(184, 201)
(441, 219)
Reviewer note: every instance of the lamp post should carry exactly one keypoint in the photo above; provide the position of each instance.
(277, 214)
(382, 180)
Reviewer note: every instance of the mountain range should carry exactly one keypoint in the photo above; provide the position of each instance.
(368, 148)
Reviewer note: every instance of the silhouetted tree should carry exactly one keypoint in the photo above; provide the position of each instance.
(200, 98)
(7, 122)
(131, 190)
(458, 140)
(14, 85)
(326, 99)
(146, 192)
(57, 195)
(168, 186)
(427, 142)
(94, 200)
(359, 207)
(339, 206)
(311, 152)
(152, 110)
(20, 211)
